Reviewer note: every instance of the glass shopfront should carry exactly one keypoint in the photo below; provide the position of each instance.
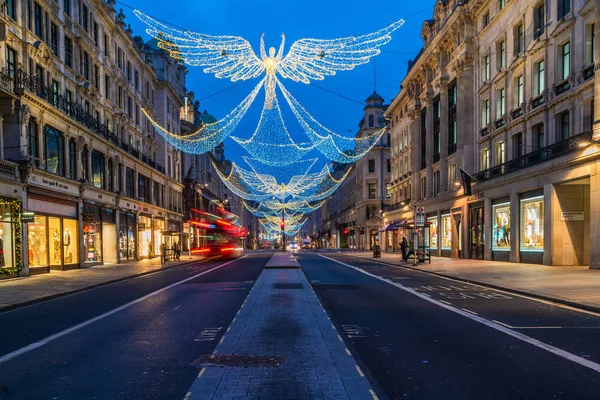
(501, 227)
(159, 227)
(446, 232)
(7, 237)
(53, 242)
(145, 246)
(532, 224)
(92, 234)
(432, 240)
(126, 235)
(477, 231)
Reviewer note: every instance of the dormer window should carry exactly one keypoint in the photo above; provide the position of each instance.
(371, 121)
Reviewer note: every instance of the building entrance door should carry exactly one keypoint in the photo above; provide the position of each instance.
(476, 232)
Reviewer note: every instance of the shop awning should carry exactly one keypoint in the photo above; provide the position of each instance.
(395, 225)
(384, 228)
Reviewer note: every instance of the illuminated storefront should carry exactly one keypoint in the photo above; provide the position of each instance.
(532, 224)
(145, 245)
(159, 227)
(53, 237)
(432, 239)
(10, 244)
(126, 235)
(446, 232)
(501, 227)
(99, 235)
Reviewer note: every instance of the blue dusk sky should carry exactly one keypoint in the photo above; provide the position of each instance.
(317, 19)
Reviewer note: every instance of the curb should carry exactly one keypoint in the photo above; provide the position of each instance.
(11, 307)
(584, 307)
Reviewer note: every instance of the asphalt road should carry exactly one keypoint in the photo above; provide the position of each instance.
(147, 350)
(414, 347)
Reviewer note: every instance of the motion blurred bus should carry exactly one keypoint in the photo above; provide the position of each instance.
(215, 236)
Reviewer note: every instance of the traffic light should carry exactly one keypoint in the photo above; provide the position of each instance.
(282, 224)
(345, 231)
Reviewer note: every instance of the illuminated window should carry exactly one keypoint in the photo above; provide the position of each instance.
(532, 224)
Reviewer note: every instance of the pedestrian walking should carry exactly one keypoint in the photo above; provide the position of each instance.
(163, 253)
(177, 250)
(403, 245)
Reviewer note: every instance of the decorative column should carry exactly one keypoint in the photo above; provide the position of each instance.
(1, 137)
(487, 228)
(465, 107)
(415, 154)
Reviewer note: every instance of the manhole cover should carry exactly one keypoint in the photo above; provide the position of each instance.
(287, 286)
(241, 360)
(335, 286)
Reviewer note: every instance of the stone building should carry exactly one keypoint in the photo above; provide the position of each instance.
(352, 217)
(505, 90)
(76, 148)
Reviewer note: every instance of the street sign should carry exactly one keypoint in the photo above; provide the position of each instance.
(420, 217)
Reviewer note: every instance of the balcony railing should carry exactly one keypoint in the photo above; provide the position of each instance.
(485, 131)
(588, 72)
(500, 123)
(8, 168)
(436, 157)
(562, 87)
(538, 156)
(23, 81)
(517, 113)
(538, 101)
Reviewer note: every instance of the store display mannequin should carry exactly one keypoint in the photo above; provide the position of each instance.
(56, 242)
(67, 243)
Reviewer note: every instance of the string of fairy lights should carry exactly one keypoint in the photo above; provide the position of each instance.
(278, 181)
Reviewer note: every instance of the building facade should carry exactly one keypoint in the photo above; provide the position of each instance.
(76, 148)
(505, 91)
(353, 216)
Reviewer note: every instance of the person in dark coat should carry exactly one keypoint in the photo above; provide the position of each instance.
(403, 245)
(163, 253)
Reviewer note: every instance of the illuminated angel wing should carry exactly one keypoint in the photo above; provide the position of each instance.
(227, 57)
(313, 59)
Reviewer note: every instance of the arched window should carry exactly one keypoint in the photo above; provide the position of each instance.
(32, 141)
(85, 155)
(109, 178)
(72, 158)
(54, 150)
(371, 121)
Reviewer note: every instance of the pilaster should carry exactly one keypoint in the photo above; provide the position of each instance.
(514, 227)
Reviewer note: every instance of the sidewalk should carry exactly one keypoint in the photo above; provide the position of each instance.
(576, 286)
(281, 345)
(32, 289)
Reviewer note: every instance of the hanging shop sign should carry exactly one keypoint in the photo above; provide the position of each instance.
(572, 216)
(28, 216)
(88, 217)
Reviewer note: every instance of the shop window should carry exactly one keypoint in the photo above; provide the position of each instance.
(54, 245)
(37, 242)
(98, 179)
(532, 224)
(54, 150)
(7, 237)
(433, 233)
(446, 232)
(501, 227)
(70, 243)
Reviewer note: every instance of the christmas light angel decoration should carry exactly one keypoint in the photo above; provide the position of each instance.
(232, 57)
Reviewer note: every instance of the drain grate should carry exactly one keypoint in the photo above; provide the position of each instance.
(335, 286)
(240, 360)
(288, 286)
